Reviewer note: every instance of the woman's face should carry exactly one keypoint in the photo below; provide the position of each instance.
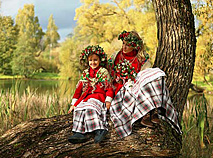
(126, 48)
(94, 61)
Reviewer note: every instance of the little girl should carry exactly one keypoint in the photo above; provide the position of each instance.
(92, 91)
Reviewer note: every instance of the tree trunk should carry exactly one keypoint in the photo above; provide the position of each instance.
(48, 138)
(176, 47)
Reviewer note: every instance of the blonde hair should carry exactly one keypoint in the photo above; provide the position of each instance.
(141, 52)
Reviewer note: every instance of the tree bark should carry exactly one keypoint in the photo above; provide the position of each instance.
(176, 47)
(48, 138)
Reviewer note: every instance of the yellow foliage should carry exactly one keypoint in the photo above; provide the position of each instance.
(101, 23)
(203, 10)
(69, 54)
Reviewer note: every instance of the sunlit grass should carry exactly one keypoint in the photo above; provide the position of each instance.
(197, 126)
(16, 108)
(8, 77)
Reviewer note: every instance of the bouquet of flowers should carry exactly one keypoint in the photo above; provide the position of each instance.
(125, 71)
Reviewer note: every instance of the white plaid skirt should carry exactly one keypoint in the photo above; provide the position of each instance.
(126, 107)
(89, 116)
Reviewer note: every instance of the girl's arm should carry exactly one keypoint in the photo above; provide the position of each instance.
(72, 107)
(76, 96)
(109, 96)
(78, 92)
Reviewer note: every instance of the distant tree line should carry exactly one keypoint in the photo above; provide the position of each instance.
(23, 40)
(25, 49)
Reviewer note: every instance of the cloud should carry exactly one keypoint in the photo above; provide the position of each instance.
(63, 12)
(11, 7)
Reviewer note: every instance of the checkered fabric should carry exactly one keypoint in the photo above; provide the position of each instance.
(89, 116)
(127, 108)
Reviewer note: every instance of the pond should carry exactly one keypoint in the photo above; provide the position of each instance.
(38, 86)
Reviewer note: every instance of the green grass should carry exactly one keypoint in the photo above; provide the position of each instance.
(43, 75)
(207, 87)
(46, 75)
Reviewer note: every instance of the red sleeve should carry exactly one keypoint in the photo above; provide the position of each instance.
(78, 90)
(109, 91)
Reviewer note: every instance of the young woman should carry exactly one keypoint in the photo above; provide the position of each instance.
(140, 92)
(92, 97)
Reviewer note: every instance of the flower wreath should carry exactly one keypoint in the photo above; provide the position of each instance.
(131, 39)
(96, 50)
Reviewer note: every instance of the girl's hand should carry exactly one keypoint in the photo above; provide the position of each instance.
(71, 109)
(108, 104)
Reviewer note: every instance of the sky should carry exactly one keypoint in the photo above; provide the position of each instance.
(63, 12)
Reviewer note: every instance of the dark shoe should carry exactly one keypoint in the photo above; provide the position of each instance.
(155, 119)
(146, 121)
(77, 138)
(100, 134)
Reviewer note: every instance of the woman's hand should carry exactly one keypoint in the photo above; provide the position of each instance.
(108, 104)
(71, 109)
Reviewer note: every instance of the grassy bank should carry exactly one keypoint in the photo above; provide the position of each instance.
(44, 75)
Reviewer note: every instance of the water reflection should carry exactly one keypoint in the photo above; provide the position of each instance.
(64, 87)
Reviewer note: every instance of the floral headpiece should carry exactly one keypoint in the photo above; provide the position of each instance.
(131, 39)
(95, 50)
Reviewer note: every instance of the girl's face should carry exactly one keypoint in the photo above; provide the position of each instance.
(126, 48)
(94, 61)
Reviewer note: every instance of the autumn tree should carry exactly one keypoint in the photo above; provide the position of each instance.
(8, 39)
(51, 36)
(100, 23)
(203, 10)
(30, 34)
(69, 57)
(48, 57)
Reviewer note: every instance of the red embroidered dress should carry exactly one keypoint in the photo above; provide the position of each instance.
(133, 100)
(94, 83)
(92, 91)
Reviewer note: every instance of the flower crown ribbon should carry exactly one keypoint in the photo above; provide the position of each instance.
(95, 50)
(131, 39)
